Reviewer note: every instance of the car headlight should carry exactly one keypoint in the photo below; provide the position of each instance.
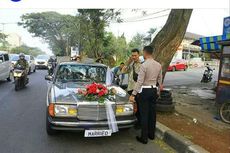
(65, 110)
(126, 109)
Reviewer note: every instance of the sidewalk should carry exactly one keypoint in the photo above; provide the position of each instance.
(194, 118)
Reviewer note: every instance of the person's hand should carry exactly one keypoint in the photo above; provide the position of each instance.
(159, 90)
(124, 69)
(132, 98)
(129, 60)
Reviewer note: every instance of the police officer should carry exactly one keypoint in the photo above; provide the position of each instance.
(145, 89)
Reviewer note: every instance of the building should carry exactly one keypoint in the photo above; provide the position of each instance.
(186, 50)
(14, 40)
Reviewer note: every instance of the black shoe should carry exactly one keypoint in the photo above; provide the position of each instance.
(141, 141)
(151, 138)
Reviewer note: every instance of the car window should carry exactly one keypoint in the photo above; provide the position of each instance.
(81, 73)
(6, 57)
(43, 57)
(15, 58)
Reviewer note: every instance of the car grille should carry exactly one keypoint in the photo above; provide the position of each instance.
(92, 112)
(41, 62)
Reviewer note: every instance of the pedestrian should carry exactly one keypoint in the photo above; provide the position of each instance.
(145, 89)
(132, 68)
(117, 72)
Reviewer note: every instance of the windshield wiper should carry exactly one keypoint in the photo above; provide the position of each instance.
(80, 80)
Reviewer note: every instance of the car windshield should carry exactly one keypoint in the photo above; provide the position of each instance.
(44, 57)
(81, 73)
(15, 58)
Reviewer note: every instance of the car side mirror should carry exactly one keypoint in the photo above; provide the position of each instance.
(48, 77)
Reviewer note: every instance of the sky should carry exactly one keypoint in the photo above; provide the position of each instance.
(206, 22)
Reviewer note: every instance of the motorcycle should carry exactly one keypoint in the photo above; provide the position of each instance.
(207, 76)
(19, 74)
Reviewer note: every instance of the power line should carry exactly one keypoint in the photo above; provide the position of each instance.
(146, 15)
(144, 19)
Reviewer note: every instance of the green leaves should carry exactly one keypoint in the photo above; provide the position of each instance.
(59, 31)
(27, 50)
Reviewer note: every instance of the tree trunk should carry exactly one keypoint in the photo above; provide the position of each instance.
(170, 37)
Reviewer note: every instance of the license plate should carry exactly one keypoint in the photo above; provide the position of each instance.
(98, 133)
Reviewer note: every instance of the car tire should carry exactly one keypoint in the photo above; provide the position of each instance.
(174, 69)
(166, 94)
(34, 69)
(185, 68)
(165, 108)
(49, 130)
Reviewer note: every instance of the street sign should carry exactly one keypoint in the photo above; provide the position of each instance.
(226, 28)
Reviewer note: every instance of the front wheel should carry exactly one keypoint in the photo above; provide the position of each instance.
(16, 84)
(49, 130)
(224, 112)
(174, 69)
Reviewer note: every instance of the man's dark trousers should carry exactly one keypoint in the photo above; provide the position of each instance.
(147, 105)
(137, 114)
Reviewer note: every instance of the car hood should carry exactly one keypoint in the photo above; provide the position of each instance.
(67, 93)
(41, 60)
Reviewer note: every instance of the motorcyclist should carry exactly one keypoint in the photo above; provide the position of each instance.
(23, 63)
(53, 61)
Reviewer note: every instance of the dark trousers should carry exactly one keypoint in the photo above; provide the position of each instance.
(147, 108)
(137, 114)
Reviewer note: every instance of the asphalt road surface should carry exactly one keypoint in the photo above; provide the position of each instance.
(191, 76)
(22, 126)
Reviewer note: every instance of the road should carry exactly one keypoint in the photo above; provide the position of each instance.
(191, 76)
(22, 124)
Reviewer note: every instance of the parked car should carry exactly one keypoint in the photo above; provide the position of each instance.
(68, 110)
(29, 59)
(178, 65)
(4, 66)
(12, 55)
(41, 61)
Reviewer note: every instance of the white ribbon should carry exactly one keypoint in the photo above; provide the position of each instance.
(111, 116)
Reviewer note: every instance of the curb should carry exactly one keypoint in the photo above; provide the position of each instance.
(176, 141)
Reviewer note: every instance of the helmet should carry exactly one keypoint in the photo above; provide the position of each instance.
(21, 55)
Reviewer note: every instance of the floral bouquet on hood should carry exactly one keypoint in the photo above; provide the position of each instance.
(95, 92)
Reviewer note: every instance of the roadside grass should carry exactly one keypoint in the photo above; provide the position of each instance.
(164, 146)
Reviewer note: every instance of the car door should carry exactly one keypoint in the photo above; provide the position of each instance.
(179, 65)
(7, 65)
(1, 67)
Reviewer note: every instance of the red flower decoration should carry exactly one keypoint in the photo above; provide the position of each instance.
(94, 92)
